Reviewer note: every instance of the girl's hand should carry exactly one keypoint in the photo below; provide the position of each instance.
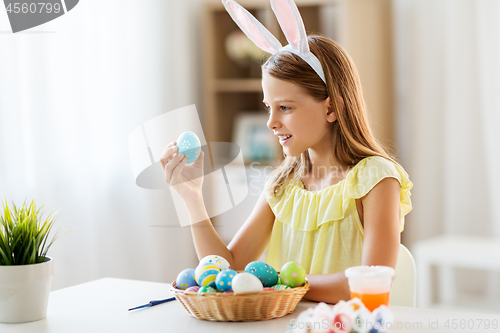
(185, 179)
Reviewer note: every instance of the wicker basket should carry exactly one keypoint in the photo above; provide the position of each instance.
(240, 307)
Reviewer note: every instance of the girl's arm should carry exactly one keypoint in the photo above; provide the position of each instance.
(251, 240)
(249, 243)
(380, 242)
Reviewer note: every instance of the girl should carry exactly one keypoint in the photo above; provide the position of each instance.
(337, 200)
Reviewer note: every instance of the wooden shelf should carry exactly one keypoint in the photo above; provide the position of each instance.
(238, 85)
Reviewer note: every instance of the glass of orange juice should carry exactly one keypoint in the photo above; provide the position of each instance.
(371, 284)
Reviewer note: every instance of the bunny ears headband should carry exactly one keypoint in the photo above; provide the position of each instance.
(291, 23)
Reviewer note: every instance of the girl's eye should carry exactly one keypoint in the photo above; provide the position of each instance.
(283, 108)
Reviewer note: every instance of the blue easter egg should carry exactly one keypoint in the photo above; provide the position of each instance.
(265, 272)
(189, 144)
(205, 274)
(207, 278)
(185, 279)
(224, 279)
(384, 318)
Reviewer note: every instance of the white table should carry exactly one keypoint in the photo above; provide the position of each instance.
(447, 253)
(101, 306)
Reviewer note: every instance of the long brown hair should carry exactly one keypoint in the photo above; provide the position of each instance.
(352, 136)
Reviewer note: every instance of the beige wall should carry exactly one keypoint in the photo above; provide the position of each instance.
(368, 40)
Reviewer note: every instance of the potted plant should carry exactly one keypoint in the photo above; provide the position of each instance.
(25, 269)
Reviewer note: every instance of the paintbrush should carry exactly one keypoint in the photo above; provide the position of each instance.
(153, 303)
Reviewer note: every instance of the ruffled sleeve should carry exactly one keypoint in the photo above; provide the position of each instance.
(308, 210)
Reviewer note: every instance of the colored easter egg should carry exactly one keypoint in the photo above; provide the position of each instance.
(202, 267)
(383, 317)
(341, 323)
(360, 318)
(193, 289)
(293, 274)
(206, 289)
(246, 283)
(205, 275)
(218, 261)
(189, 144)
(185, 279)
(224, 279)
(265, 272)
(280, 287)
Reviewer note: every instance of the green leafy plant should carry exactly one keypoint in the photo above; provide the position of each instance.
(24, 235)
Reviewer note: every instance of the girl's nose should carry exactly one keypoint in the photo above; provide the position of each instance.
(273, 122)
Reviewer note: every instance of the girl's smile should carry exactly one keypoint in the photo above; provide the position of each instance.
(283, 138)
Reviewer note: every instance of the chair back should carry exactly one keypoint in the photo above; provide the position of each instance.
(404, 286)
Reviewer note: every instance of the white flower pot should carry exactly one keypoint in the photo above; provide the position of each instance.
(24, 291)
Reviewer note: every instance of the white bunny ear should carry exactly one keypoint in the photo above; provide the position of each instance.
(291, 23)
(252, 28)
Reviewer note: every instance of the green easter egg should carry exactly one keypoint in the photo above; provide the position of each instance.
(293, 274)
(206, 289)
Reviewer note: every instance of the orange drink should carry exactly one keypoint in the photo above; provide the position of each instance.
(372, 301)
(371, 284)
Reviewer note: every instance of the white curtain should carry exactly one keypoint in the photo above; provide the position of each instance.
(71, 91)
(448, 79)
(448, 101)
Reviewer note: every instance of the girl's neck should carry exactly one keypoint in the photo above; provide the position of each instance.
(324, 166)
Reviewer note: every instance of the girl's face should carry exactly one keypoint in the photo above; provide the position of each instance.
(300, 121)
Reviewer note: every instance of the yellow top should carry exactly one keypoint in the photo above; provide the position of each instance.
(321, 229)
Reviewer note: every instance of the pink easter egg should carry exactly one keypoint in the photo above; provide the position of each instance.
(193, 289)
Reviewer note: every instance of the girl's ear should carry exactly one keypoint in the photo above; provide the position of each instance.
(331, 115)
